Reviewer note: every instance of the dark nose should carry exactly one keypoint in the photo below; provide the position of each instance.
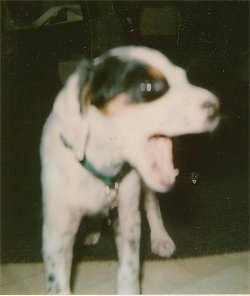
(212, 109)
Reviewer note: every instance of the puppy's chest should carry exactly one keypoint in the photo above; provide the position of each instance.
(95, 196)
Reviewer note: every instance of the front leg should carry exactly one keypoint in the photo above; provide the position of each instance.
(128, 233)
(161, 243)
(59, 230)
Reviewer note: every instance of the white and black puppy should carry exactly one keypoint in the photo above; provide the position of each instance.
(110, 126)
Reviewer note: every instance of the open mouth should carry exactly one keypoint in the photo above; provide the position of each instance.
(161, 156)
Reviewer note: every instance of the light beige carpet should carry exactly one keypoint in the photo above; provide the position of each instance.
(222, 274)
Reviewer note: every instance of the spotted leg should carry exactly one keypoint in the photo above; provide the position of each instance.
(128, 235)
(59, 229)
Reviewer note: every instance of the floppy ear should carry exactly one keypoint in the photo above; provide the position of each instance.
(69, 112)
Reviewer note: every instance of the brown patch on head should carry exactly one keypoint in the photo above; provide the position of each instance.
(117, 103)
(86, 96)
(155, 72)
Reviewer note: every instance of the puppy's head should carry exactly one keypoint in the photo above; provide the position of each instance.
(148, 100)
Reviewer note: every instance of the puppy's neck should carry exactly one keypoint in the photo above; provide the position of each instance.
(103, 148)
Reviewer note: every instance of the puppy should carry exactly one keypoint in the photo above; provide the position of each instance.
(111, 126)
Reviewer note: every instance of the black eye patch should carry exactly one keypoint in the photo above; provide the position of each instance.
(114, 75)
(145, 84)
(149, 89)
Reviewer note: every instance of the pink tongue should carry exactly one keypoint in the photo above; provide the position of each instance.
(161, 151)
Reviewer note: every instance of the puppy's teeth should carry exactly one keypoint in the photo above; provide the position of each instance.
(176, 172)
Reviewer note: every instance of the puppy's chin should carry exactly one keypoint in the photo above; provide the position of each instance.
(158, 185)
(155, 163)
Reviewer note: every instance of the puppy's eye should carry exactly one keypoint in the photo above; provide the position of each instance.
(152, 89)
(146, 87)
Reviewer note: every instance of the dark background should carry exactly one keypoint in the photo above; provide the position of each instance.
(208, 39)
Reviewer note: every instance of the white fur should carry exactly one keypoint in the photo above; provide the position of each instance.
(70, 191)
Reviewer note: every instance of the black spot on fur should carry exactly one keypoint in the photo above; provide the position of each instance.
(114, 75)
(51, 278)
(133, 244)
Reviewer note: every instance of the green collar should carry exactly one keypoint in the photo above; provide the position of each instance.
(109, 181)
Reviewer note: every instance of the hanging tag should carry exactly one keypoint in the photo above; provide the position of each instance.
(112, 193)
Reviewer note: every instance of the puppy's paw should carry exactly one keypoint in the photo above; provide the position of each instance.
(92, 238)
(162, 246)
